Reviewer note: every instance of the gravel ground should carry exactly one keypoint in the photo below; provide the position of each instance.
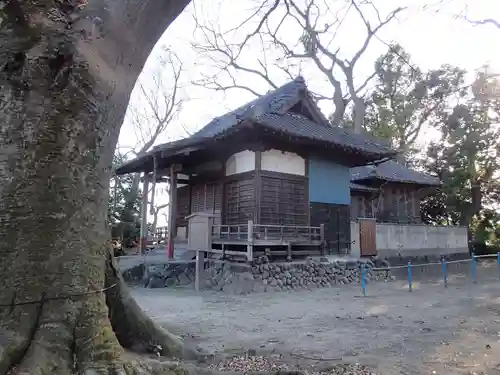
(432, 330)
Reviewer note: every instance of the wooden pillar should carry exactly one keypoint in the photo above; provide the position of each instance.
(322, 237)
(190, 203)
(172, 227)
(250, 241)
(153, 189)
(144, 214)
(257, 186)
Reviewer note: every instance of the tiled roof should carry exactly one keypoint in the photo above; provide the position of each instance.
(300, 126)
(271, 111)
(393, 171)
(277, 101)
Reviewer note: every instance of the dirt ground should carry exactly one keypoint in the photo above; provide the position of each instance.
(432, 330)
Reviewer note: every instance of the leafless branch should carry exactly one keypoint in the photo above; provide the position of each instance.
(315, 46)
(486, 21)
(263, 20)
(225, 58)
(156, 211)
(163, 103)
(160, 104)
(370, 32)
(317, 50)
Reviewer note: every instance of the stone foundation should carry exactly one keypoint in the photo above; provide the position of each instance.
(264, 276)
(162, 275)
(261, 276)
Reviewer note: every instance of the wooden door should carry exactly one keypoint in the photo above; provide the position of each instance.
(367, 237)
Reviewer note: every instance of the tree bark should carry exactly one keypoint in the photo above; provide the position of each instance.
(359, 113)
(66, 73)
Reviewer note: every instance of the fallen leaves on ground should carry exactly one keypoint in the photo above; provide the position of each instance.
(247, 364)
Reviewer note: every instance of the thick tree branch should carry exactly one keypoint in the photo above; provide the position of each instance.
(271, 25)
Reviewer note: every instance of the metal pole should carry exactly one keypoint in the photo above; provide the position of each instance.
(152, 208)
(443, 266)
(498, 264)
(474, 268)
(409, 277)
(172, 212)
(363, 281)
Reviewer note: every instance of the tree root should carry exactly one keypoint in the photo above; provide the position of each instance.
(86, 335)
(134, 329)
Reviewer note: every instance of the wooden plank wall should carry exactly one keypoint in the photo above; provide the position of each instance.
(239, 205)
(397, 202)
(207, 197)
(199, 197)
(283, 201)
(182, 206)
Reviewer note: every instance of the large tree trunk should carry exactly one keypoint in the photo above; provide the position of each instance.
(66, 73)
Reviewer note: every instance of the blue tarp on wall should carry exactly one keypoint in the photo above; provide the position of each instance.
(329, 182)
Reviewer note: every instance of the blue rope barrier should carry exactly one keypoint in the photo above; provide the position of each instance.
(444, 268)
(409, 277)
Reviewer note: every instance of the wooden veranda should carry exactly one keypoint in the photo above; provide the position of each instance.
(249, 240)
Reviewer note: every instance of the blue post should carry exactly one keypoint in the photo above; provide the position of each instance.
(443, 266)
(474, 268)
(409, 276)
(498, 264)
(363, 280)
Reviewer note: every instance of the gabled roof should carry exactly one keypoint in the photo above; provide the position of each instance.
(272, 111)
(275, 112)
(393, 172)
(277, 102)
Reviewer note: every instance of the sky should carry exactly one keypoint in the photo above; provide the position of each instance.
(433, 37)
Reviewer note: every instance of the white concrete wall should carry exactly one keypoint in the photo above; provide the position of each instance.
(416, 240)
(240, 162)
(283, 162)
(355, 250)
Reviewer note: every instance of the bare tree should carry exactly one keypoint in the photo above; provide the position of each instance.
(270, 26)
(157, 106)
(157, 207)
(156, 211)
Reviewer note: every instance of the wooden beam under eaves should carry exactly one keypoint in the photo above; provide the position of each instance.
(167, 179)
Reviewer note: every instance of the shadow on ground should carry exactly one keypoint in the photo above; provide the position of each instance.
(450, 331)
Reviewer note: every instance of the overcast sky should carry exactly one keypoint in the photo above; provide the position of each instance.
(431, 38)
